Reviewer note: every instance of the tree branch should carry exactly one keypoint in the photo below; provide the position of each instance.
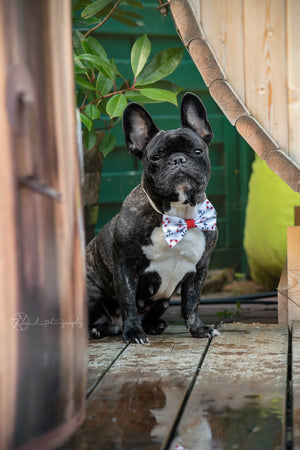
(104, 20)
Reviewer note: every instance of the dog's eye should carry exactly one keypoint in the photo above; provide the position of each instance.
(198, 151)
(155, 157)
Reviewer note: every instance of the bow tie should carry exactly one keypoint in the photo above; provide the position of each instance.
(175, 228)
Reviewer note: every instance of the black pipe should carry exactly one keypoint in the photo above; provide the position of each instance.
(243, 299)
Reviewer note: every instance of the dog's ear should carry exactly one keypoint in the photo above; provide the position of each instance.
(193, 115)
(138, 127)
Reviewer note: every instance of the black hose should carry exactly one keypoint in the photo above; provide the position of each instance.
(253, 298)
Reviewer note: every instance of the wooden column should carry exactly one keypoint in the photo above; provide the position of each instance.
(42, 271)
(293, 272)
(289, 287)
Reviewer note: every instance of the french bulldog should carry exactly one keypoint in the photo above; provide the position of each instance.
(164, 234)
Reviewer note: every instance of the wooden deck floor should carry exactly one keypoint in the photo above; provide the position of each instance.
(180, 392)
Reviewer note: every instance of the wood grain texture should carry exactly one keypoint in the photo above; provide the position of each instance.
(249, 50)
(205, 61)
(283, 166)
(132, 405)
(227, 99)
(265, 66)
(296, 383)
(186, 24)
(238, 400)
(282, 294)
(250, 129)
(293, 259)
(9, 276)
(293, 79)
(221, 28)
(42, 242)
(101, 355)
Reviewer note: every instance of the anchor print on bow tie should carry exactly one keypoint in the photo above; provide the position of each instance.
(175, 228)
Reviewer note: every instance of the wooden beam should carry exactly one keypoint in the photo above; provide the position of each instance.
(282, 295)
(293, 269)
(296, 383)
(42, 266)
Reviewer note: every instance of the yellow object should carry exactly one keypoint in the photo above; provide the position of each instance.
(270, 210)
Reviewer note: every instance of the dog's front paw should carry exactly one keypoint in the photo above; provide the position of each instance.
(134, 335)
(204, 331)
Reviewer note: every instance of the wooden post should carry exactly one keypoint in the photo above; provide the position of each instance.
(287, 309)
(42, 271)
(282, 295)
(293, 267)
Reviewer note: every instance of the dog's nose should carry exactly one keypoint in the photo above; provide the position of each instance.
(178, 160)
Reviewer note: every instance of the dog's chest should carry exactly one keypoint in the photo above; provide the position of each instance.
(172, 264)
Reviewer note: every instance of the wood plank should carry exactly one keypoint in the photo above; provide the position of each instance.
(282, 293)
(185, 21)
(296, 383)
(201, 54)
(297, 216)
(293, 258)
(238, 400)
(280, 163)
(223, 30)
(42, 253)
(228, 100)
(265, 66)
(134, 404)
(9, 276)
(293, 71)
(255, 135)
(101, 354)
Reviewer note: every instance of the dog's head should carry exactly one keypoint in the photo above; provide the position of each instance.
(176, 162)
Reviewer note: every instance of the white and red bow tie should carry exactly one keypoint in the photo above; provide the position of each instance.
(175, 228)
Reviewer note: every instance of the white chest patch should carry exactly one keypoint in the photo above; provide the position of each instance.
(172, 264)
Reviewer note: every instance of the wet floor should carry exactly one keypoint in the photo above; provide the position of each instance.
(229, 393)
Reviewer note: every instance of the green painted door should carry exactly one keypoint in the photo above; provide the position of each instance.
(230, 156)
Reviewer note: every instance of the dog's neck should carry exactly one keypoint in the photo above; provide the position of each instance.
(178, 209)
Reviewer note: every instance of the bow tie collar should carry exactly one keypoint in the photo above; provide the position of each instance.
(175, 228)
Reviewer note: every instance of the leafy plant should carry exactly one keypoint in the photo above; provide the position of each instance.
(228, 314)
(102, 91)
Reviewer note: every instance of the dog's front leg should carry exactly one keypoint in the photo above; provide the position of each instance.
(125, 286)
(190, 299)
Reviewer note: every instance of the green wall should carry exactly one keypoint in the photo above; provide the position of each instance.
(231, 157)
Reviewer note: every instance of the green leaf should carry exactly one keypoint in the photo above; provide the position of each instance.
(77, 39)
(116, 105)
(136, 96)
(96, 48)
(105, 67)
(89, 138)
(160, 95)
(133, 15)
(84, 23)
(104, 84)
(94, 8)
(165, 84)
(83, 83)
(86, 120)
(79, 64)
(79, 4)
(161, 66)
(107, 144)
(92, 111)
(124, 20)
(139, 54)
